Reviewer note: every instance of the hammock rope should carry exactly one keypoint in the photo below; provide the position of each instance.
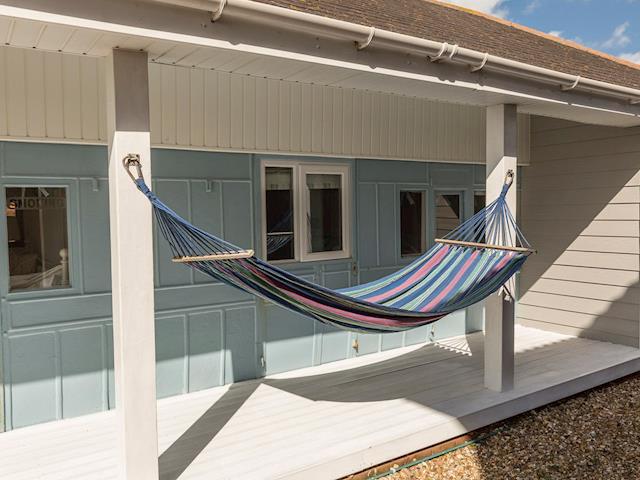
(463, 268)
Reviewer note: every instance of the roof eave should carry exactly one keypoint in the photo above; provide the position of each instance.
(369, 37)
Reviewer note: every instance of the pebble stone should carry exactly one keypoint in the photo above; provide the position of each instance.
(593, 436)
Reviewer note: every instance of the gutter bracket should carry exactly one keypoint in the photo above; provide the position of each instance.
(443, 49)
(479, 67)
(367, 42)
(566, 88)
(453, 52)
(215, 16)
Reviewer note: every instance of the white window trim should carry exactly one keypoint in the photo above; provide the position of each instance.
(296, 207)
(301, 205)
(71, 246)
(345, 182)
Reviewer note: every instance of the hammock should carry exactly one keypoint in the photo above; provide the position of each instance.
(465, 267)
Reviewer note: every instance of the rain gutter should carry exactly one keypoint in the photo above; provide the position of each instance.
(364, 37)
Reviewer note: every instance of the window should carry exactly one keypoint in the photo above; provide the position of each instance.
(279, 213)
(448, 213)
(412, 231)
(306, 210)
(37, 237)
(479, 201)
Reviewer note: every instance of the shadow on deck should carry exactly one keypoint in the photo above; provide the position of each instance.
(446, 378)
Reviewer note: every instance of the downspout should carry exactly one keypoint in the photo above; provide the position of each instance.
(369, 37)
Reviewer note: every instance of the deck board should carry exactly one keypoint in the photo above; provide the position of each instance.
(326, 421)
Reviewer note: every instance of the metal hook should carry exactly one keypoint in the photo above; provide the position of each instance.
(508, 179)
(133, 159)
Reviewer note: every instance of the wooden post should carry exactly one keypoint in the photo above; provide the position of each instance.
(132, 268)
(502, 148)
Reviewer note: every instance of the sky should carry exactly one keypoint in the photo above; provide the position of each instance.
(612, 26)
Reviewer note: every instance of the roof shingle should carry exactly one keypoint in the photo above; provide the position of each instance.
(433, 20)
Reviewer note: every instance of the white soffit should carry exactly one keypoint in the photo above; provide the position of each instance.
(68, 35)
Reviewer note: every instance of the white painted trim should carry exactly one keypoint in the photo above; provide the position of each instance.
(72, 250)
(300, 208)
(296, 207)
(346, 194)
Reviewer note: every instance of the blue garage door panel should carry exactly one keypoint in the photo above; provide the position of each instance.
(392, 340)
(237, 217)
(83, 361)
(170, 355)
(289, 340)
(417, 335)
(94, 226)
(335, 344)
(34, 395)
(367, 224)
(205, 350)
(206, 201)
(240, 344)
(387, 225)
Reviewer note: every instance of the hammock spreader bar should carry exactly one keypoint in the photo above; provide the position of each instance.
(469, 264)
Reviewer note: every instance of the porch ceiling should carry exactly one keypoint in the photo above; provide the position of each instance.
(80, 36)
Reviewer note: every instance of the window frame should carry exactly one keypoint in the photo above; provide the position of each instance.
(73, 244)
(327, 169)
(301, 205)
(296, 207)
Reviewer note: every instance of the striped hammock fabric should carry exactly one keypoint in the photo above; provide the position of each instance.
(449, 277)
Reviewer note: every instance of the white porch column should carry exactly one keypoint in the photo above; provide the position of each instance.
(502, 148)
(132, 267)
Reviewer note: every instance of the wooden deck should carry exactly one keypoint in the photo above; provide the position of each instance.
(327, 421)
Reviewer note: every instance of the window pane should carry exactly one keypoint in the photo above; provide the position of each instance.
(37, 233)
(479, 200)
(447, 213)
(325, 212)
(411, 223)
(279, 213)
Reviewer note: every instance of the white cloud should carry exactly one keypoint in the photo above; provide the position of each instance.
(492, 7)
(532, 6)
(618, 37)
(632, 57)
(556, 33)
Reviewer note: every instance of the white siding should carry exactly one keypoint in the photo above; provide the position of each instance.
(53, 96)
(240, 112)
(581, 210)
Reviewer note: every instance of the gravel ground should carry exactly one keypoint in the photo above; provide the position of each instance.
(592, 436)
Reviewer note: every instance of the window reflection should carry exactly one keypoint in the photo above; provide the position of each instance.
(325, 212)
(279, 213)
(412, 238)
(37, 237)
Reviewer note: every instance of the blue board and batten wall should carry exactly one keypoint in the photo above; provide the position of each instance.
(57, 354)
